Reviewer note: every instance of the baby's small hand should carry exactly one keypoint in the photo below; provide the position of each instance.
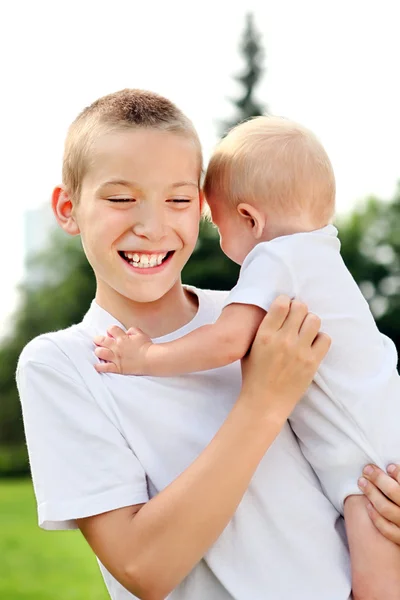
(123, 353)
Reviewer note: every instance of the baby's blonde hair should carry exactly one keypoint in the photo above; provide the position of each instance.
(126, 109)
(277, 163)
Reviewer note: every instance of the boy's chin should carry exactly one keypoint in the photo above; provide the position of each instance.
(149, 293)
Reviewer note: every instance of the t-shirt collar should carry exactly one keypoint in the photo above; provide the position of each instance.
(328, 230)
(97, 320)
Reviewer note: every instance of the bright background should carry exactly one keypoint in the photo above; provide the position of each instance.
(331, 64)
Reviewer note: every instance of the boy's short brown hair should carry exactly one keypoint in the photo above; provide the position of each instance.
(277, 162)
(126, 109)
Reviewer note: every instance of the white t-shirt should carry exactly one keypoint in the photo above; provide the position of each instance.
(351, 413)
(101, 442)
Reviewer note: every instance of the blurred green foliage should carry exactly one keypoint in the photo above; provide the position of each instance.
(370, 238)
(56, 303)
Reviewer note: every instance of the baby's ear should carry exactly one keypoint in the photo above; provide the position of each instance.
(254, 218)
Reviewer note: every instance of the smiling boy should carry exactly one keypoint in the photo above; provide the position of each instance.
(189, 486)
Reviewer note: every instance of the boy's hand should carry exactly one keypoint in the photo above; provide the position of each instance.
(123, 353)
(284, 358)
(383, 492)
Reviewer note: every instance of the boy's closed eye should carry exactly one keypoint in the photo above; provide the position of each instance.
(175, 200)
(121, 199)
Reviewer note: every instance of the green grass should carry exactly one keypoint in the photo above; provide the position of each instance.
(42, 565)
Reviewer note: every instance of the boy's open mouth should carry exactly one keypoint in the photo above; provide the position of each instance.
(145, 261)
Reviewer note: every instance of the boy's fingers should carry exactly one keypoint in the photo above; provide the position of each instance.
(116, 331)
(387, 509)
(106, 367)
(297, 314)
(394, 472)
(310, 329)
(104, 354)
(384, 483)
(277, 314)
(389, 530)
(321, 345)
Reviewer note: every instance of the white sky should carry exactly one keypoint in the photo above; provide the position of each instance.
(331, 64)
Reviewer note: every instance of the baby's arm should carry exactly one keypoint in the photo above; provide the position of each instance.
(208, 347)
(375, 561)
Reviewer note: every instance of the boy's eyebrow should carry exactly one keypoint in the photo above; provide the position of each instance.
(134, 184)
(184, 184)
(119, 182)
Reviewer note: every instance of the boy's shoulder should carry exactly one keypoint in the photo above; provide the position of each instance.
(54, 348)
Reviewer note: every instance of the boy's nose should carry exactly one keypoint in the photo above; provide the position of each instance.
(150, 225)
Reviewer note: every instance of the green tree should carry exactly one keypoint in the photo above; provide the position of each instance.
(209, 267)
(252, 52)
(370, 239)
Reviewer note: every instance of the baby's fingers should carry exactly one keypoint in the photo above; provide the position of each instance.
(134, 331)
(104, 341)
(104, 354)
(106, 367)
(116, 332)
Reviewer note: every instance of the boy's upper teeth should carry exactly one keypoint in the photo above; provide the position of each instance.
(145, 260)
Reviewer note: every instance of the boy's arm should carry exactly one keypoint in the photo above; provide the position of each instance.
(375, 561)
(208, 347)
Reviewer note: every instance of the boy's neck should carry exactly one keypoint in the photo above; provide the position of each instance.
(174, 310)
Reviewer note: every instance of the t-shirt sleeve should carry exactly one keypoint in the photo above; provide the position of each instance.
(263, 276)
(81, 464)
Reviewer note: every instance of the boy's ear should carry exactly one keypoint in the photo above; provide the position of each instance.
(205, 211)
(255, 218)
(202, 200)
(64, 211)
